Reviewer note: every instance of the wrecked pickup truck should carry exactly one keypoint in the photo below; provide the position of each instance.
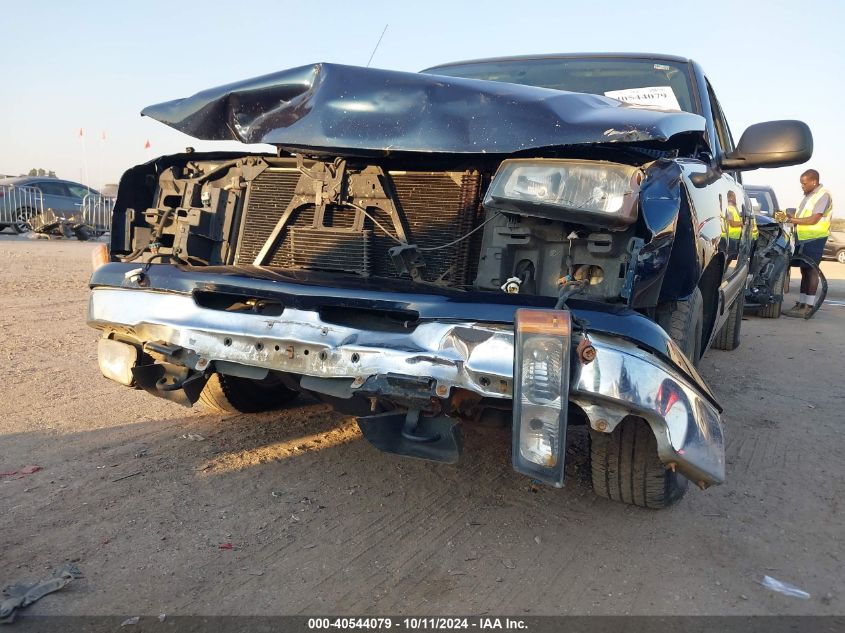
(544, 238)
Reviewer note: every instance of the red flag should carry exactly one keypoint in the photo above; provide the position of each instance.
(80, 133)
(147, 144)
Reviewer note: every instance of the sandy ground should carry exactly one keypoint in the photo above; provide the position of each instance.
(320, 522)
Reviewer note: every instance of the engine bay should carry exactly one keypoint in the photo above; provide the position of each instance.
(368, 219)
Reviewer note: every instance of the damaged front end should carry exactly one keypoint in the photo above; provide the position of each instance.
(773, 250)
(416, 267)
(433, 369)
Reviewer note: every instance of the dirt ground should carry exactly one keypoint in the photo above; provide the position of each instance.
(319, 522)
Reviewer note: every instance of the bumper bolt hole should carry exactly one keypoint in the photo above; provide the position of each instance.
(227, 342)
(484, 381)
(355, 357)
(277, 348)
(259, 346)
(323, 355)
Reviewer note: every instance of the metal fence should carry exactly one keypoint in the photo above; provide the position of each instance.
(18, 204)
(96, 212)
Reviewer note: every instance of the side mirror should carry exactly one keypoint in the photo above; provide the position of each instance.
(771, 144)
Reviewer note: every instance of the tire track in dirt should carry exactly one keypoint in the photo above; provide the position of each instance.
(402, 530)
(453, 527)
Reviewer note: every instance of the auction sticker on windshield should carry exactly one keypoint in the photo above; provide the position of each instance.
(658, 96)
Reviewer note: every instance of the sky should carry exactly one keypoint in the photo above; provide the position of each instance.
(95, 65)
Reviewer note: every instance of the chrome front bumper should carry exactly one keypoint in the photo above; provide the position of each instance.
(623, 379)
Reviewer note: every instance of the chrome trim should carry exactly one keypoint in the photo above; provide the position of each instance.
(623, 379)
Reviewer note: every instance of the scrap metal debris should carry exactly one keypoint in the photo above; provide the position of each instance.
(51, 224)
(24, 594)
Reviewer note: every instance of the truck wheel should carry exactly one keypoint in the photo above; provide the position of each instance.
(625, 467)
(772, 311)
(683, 321)
(230, 394)
(728, 336)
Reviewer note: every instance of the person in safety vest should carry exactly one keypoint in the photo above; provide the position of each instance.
(734, 218)
(812, 222)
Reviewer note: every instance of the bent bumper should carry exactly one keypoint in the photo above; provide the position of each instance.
(623, 380)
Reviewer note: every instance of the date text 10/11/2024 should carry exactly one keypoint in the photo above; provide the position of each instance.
(422, 623)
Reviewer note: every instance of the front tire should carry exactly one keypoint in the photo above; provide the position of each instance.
(773, 310)
(231, 394)
(625, 467)
(728, 337)
(683, 321)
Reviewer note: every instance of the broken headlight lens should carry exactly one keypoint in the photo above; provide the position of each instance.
(541, 379)
(587, 192)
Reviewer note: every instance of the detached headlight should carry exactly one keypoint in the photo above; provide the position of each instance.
(541, 397)
(583, 192)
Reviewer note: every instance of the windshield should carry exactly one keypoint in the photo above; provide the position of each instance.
(645, 82)
(764, 199)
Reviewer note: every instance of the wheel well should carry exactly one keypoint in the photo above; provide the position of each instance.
(683, 261)
(709, 284)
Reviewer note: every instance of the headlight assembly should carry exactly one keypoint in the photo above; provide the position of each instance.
(585, 192)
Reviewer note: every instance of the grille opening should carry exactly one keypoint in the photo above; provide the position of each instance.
(238, 303)
(369, 319)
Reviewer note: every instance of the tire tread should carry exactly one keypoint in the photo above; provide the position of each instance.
(625, 467)
(682, 320)
(728, 336)
(229, 394)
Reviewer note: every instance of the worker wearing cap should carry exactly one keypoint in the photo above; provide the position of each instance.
(812, 222)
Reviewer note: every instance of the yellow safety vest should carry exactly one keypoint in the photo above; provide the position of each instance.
(820, 228)
(734, 232)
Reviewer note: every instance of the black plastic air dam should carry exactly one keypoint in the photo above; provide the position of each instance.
(407, 433)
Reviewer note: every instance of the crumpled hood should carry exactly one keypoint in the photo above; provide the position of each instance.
(349, 109)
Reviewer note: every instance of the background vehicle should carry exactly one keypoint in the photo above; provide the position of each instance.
(773, 248)
(835, 246)
(770, 266)
(765, 199)
(564, 257)
(64, 197)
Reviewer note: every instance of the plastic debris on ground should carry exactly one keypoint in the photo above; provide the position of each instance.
(195, 437)
(784, 587)
(225, 546)
(22, 472)
(22, 595)
(131, 621)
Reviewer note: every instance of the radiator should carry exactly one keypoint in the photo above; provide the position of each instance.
(439, 207)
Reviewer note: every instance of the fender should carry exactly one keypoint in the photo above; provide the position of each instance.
(667, 220)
